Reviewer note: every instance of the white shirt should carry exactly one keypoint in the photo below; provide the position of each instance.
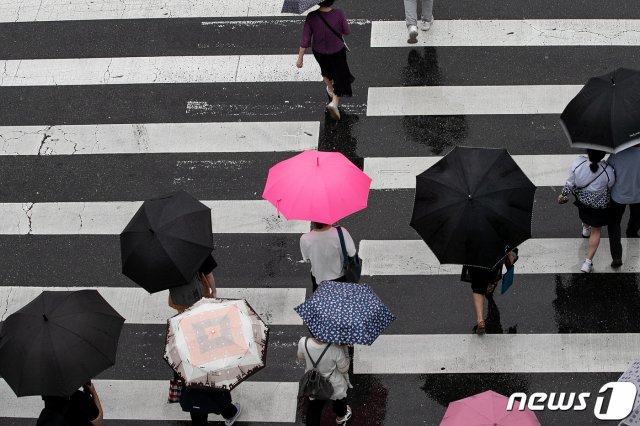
(334, 365)
(580, 175)
(322, 249)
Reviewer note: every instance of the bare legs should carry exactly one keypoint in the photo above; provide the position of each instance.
(594, 242)
(478, 304)
(336, 99)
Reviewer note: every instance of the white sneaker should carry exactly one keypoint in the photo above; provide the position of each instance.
(413, 34)
(232, 420)
(426, 25)
(586, 231)
(587, 267)
(332, 109)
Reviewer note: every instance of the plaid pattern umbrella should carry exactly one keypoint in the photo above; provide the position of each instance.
(345, 313)
(216, 343)
(298, 6)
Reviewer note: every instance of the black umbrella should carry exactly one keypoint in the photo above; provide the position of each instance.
(166, 241)
(58, 342)
(605, 115)
(471, 204)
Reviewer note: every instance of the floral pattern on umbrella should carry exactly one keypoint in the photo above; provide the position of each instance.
(216, 343)
(345, 313)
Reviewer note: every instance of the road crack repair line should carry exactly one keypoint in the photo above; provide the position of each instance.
(547, 32)
(6, 305)
(27, 208)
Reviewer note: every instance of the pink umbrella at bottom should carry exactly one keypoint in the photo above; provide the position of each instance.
(487, 409)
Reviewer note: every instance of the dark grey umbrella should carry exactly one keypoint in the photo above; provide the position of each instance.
(298, 6)
(57, 342)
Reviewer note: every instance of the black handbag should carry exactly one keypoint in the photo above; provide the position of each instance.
(352, 265)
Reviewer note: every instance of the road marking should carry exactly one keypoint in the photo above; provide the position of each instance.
(497, 353)
(401, 172)
(70, 10)
(274, 305)
(152, 138)
(469, 100)
(111, 217)
(156, 70)
(524, 32)
(147, 400)
(537, 256)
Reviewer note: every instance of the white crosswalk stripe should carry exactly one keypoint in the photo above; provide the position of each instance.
(111, 217)
(539, 256)
(274, 305)
(147, 400)
(155, 138)
(401, 172)
(469, 100)
(157, 70)
(507, 32)
(497, 353)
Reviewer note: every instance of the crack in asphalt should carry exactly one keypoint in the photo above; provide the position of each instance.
(28, 212)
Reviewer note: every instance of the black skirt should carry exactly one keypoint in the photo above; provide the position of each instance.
(592, 217)
(335, 67)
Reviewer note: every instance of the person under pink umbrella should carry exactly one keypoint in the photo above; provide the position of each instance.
(317, 186)
(487, 408)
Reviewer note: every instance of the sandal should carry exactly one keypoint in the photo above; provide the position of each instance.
(481, 328)
(345, 419)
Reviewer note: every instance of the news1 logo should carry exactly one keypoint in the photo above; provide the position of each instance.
(621, 401)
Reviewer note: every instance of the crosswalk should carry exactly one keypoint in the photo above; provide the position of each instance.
(205, 97)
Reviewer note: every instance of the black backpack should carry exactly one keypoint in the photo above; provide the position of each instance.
(313, 384)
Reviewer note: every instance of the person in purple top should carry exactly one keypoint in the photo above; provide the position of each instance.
(323, 31)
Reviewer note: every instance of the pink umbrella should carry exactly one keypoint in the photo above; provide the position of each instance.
(317, 186)
(487, 409)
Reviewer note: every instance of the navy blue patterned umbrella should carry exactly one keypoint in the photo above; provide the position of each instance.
(345, 313)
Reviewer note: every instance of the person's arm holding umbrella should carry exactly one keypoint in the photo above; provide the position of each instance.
(98, 421)
(569, 184)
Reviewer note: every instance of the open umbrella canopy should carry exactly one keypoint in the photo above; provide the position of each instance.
(487, 408)
(216, 343)
(58, 342)
(298, 6)
(605, 115)
(345, 313)
(317, 186)
(471, 204)
(166, 241)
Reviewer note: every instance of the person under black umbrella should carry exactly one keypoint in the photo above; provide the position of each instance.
(166, 241)
(58, 342)
(82, 408)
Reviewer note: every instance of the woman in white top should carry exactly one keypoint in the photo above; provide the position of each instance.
(322, 248)
(333, 365)
(590, 180)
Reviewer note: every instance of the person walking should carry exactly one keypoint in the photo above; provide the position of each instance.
(82, 408)
(323, 31)
(411, 15)
(322, 248)
(204, 285)
(483, 283)
(202, 402)
(590, 180)
(626, 192)
(332, 361)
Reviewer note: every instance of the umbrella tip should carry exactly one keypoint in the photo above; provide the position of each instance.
(613, 82)
(317, 160)
(470, 197)
(45, 317)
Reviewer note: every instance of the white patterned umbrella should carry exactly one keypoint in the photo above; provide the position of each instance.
(216, 343)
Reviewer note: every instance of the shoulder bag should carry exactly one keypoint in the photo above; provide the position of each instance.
(352, 266)
(334, 31)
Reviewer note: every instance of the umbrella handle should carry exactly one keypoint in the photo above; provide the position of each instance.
(278, 207)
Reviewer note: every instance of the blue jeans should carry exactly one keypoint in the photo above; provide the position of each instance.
(411, 11)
